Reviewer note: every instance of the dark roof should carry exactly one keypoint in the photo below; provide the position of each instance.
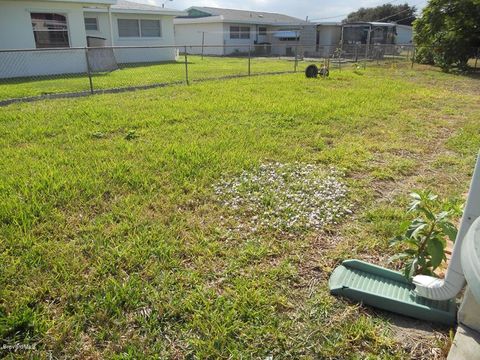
(233, 15)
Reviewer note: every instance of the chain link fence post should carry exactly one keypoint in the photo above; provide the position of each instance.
(89, 72)
(186, 65)
(367, 45)
(413, 57)
(365, 62)
(249, 58)
(339, 59)
(394, 49)
(476, 58)
(295, 64)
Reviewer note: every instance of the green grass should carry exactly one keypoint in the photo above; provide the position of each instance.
(150, 74)
(111, 242)
(144, 74)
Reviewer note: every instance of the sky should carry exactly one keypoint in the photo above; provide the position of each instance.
(323, 10)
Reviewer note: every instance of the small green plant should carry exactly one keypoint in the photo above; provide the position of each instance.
(357, 69)
(424, 240)
(98, 135)
(131, 135)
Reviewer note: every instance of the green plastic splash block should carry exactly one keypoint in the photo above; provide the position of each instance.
(388, 290)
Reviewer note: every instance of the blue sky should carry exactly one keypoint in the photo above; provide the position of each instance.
(314, 9)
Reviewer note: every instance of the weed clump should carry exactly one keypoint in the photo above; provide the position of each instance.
(289, 198)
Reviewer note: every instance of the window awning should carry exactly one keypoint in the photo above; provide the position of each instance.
(286, 34)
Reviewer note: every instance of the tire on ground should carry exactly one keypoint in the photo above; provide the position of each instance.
(311, 71)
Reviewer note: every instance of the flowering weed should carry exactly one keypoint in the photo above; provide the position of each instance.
(284, 197)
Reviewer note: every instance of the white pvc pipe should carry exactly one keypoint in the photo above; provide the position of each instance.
(444, 289)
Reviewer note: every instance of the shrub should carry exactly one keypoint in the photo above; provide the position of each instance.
(447, 33)
(424, 240)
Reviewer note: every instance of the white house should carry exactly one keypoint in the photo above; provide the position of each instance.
(62, 27)
(233, 31)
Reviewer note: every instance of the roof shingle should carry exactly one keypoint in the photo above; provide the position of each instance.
(232, 15)
(124, 5)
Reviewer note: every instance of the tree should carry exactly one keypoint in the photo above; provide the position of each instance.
(448, 33)
(401, 14)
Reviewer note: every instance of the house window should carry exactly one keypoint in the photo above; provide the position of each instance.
(239, 32)
(262, 31)
(128, 28)
(91, 23)
(139, 28)
(50, 30)
(150, 28)
(287, 35)
(289, 38)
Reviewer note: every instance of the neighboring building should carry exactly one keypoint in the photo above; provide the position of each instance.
(45, 24)
(372, 33)
(404, 35)
(326, 41)
(367, 39)
(233, 31)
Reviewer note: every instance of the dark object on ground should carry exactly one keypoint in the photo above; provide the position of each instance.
(311, 71)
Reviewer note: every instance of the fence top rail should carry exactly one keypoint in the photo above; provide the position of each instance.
(87, 47)
(246, 46)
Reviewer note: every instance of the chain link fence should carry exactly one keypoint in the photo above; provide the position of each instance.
(40, 73)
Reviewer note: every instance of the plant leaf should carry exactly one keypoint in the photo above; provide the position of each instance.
(396, 240)
(442, 215)
(430, 215)
(415, 195)
(414, 205)
(399, 256)
(416, 231)
(414, 227)
(413, 268)
(407, 270)
(449, 229)
(436, 251)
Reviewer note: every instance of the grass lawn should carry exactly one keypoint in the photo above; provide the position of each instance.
(112, 239)
(146, 74)
(150, 74)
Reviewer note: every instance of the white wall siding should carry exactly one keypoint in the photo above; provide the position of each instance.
(328, 39)
(152, 55)
(329, 34)
(234, 46)
(191, 34)
(103, 26)
(308, 36)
